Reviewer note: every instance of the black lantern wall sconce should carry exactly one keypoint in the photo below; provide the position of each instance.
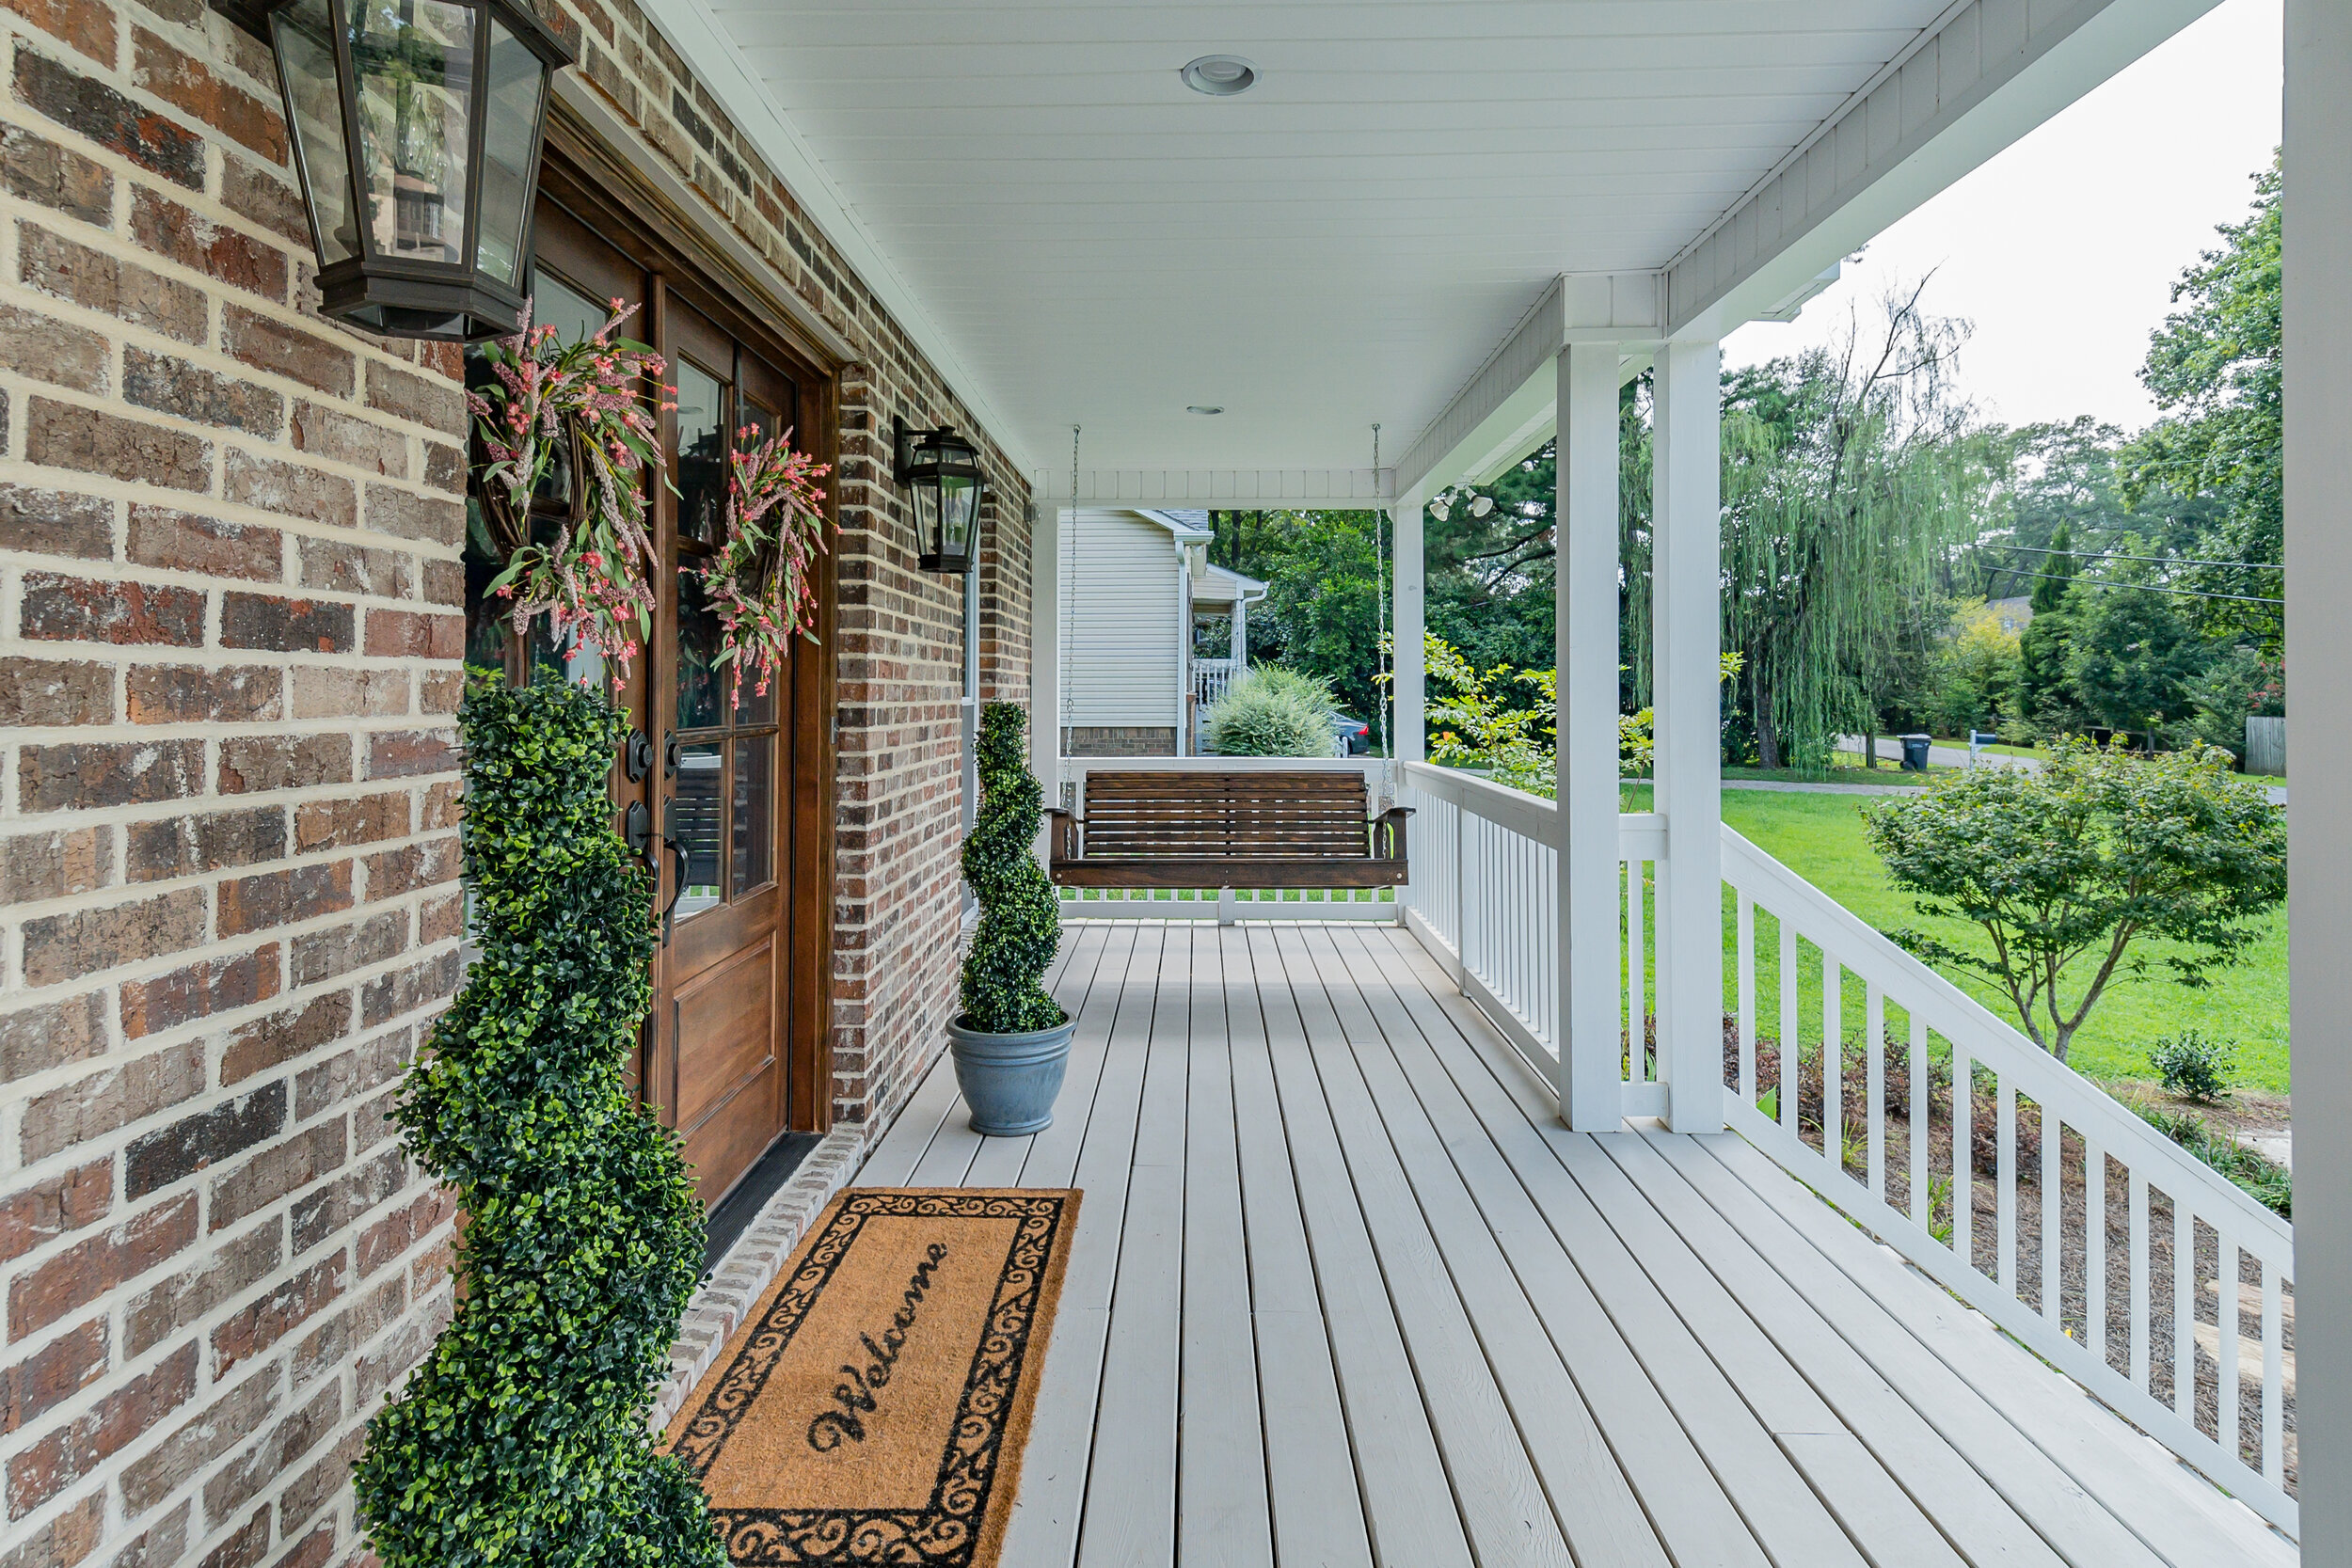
(416, 127)
(941, 471)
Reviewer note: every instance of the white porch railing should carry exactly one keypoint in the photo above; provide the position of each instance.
(2177, 1309)
(1211, 677)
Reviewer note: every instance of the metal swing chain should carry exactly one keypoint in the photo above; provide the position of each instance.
(1380, 588)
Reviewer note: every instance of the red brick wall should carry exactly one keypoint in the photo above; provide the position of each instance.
(229, 539)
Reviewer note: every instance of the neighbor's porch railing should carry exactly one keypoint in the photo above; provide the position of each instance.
(1211, 677)
(1942, 1130)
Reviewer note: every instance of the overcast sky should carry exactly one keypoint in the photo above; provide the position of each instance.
(2062, 251)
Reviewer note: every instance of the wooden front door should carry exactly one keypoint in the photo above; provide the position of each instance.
(729, 791)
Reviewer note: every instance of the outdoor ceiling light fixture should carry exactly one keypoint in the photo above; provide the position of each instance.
(416, 128)
(1220, 75)
(942, 471)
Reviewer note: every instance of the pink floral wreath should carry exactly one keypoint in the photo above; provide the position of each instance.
(759, 585)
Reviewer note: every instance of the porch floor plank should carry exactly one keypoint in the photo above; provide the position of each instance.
(1346, 1293)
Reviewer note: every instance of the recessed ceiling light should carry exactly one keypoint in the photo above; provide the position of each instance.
(1220, 75)
(1204, 409)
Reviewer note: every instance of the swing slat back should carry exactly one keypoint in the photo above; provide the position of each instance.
(1228, 829)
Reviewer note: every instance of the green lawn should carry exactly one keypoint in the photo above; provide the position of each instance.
(1821, 836)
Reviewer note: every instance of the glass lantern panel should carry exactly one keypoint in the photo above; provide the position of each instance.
(415, 64)
(306, 62)
(518, 79)
(959, 506)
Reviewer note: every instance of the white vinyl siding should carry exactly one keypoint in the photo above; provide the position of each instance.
(1121, 575)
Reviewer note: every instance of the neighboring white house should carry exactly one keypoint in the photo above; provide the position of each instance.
(1142, 577)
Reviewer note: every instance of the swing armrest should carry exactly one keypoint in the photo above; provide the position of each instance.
(1388, 834)
(1062, 834)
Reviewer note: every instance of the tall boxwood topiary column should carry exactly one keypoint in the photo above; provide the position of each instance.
(522, 1439)
(1004, 992)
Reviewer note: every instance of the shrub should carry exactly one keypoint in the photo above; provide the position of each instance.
(2194, 1065)
(2268, 1182)
(1271, 712)
(1004, 992)
(522, 1437)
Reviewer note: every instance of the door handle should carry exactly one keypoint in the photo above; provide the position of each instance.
(678, 881)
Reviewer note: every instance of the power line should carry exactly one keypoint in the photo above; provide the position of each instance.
(2113, 555)
(2149, 587)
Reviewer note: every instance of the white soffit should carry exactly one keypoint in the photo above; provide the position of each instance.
(1075, 236)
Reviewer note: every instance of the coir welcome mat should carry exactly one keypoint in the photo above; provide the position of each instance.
(874, 1408)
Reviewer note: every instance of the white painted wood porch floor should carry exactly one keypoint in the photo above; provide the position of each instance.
(1345, 1292)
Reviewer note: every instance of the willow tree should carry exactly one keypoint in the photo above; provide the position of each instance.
(1850, 473)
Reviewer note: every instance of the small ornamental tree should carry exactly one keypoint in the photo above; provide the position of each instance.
(1004, 990)
(2067, 867)
(522, 1437)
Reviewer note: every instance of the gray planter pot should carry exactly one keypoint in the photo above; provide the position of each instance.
(1010, 1081)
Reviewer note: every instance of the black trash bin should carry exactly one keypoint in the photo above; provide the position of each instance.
(1915, 751)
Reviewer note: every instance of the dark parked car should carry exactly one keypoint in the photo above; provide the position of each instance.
(1350, 736)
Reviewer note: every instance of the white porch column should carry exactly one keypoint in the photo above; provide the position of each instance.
(1045, 693)
(1590, 1081)
(2318, 368)
(1411, 702)
(1686, 607)
(1237, 640)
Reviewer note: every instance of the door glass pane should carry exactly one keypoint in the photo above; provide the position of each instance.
(702, 477)
(695, 823)
(754, 812)
(702, 686)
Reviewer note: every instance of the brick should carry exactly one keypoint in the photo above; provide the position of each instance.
(153, 1161)
(387, 1239)
(351, 1074)
(55, 865)
(394, 872)
(407, 634)
(445, 468)
(263, 195)
(282, 898)
(433, 401)
(96, 111)
(340, 438)
(82, 941)
(239, 1482)
(196, 242)
(170, 385)
(313, 1550)
(93, 279)
(196, 694)
(56, 1206)
(192, 542)
(342, 824)
(50, 1035)
(53, 522)
(268, 1042)
(377, 1368)
(444, 582)
(62, 435)
(42, 692)
(372, 1122)
(61, 609)
(87, 1270)
(177, 77)
(321, 1215)
(404, 991)
(440, 919)
(413, 516)
(108, 773)
(315, 1487)
(285, 349)
(341, 568)
(204, 988)
(252, 763)
(232, 1269)
(161, 1544)
(440, 691)
(38, 170)
(213, 841)
(245, 1548)
(285, 625)
(444, 806)
(89, 28)
(47, 349)
(64, 1367)
(323, 955)
(276, 1171)
(65, 1539)
(337, 693)
(290, 489)
(407, 753)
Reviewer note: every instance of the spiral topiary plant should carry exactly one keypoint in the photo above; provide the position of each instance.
(523, 1438)
(1004, 992)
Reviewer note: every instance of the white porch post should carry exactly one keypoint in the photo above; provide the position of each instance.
(1686, 600)
(1045, 693)
(1590, 1082)
(1237, 649)
(1411, 700)
(2318, 268)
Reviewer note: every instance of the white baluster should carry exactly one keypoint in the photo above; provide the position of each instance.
(1747, 998)
(2004, 1184)
(1874, 1084)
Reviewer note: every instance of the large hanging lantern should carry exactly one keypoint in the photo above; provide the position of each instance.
(942, 471)
(416, 128)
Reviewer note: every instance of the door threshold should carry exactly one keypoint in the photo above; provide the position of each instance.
(741, 1206)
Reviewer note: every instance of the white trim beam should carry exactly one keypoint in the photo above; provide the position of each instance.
(1407, 662)
(1339, 488)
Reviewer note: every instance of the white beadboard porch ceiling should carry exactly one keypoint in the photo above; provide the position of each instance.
(1345, 243)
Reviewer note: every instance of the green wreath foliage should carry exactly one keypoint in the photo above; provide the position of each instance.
(1004, 992)
(522, 1437)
